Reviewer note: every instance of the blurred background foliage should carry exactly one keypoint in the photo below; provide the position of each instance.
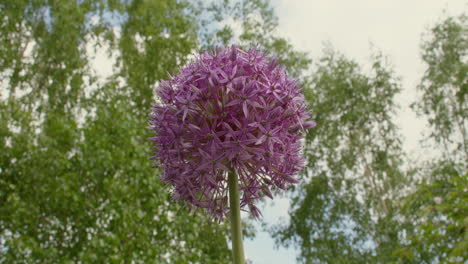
(77, 186)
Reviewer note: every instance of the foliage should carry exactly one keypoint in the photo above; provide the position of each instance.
(75, 179)
(359, 205)
(444, 86)
(344, 211)
(94, 200)
(252, 23)
(436, 212)
(76, 184)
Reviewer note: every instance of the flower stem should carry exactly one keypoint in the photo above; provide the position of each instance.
(236, 228)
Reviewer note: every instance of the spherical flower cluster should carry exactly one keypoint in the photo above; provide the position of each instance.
(229, 110)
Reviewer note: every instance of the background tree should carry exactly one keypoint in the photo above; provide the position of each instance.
(444, 87)
(437, 212)
(76, 183)
(344, 211)
(251, 23)
(75, 179)
(355, 207)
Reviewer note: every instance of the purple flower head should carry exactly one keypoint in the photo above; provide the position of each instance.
(228, 110)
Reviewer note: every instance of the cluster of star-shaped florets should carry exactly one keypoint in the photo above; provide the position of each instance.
(229, 110)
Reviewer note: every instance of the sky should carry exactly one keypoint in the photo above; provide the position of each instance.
(394, 27)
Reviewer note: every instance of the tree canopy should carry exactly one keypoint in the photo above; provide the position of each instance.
(354, 170)
(363, 202)
(77, 184)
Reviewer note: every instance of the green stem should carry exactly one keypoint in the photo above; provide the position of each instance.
(236, 228)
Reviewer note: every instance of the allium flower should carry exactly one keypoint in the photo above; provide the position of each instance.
(228, 110)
